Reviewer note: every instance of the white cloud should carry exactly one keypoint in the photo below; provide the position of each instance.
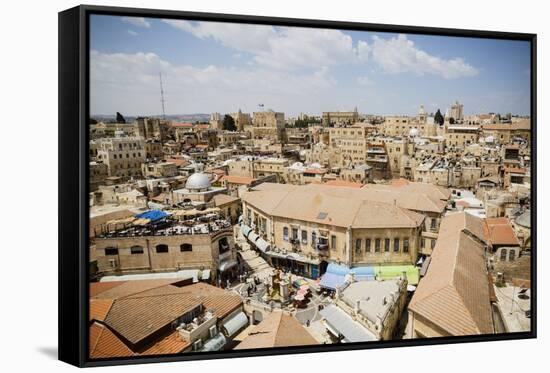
(280, 48)
(363, 50)
(245, 38)
(130, 83)
(133, 33)
(400, 55)
(137, 21)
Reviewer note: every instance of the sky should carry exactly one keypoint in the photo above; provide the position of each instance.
(223, 67)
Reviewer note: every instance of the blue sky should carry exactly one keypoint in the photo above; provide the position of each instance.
(216, 67)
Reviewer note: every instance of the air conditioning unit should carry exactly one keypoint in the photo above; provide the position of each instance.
(213, 330)
(197, 345)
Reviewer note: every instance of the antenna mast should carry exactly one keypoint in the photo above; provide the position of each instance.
(162, 96)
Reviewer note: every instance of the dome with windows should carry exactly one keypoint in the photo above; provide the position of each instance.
(198, 181)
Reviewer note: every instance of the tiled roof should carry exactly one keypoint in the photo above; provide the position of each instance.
(500, 232)
(344, 207)
(99, 308)
(237, 179)
(141, 308)
(171, 344)
(454, 294)
(105, 344)
(97, 288)
(277, 330)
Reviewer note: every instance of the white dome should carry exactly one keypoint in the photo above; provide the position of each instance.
(413, 132)
(198, 181)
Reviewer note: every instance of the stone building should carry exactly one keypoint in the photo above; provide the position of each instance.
(302, 228)
(461, 135)
(159, 169)
(122, 155)
(242, 120)
(165, 246)
(268, 125)
(340, 118)
(152, 128)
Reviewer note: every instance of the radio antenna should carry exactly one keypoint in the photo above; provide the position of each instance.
(162, 96)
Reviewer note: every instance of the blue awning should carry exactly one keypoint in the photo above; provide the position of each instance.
(337, 269)
(332, 281)
(152, 215)
(215, 344)
(234, 324)
(364, 273)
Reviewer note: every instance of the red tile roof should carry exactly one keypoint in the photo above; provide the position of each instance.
(232, 179)
(105, 344)
(500, 232)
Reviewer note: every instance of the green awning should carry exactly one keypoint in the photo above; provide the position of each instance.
(393, 271)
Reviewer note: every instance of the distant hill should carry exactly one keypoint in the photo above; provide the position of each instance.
(176, 117)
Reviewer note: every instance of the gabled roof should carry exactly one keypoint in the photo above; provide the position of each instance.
(140, 308)
(104, 343)
(454, 294)
(500, 232)
(277, 330)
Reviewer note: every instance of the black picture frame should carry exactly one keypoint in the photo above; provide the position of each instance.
(73, 181)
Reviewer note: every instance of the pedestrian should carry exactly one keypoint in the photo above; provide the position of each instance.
(307, 323)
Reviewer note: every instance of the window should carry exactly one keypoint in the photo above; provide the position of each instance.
(136, 250)
(186, 247)
(396, 245)
(433, 223)
(377, 245)
(313, 238)
(512, 255)
(367, 245)
(358, 246)
(405, 245)
(422, 242)
(304, 237)
(386, 245)
(111, 251)
(294, 233)
(503, 253)
(432, 244)
(333, 242)
(285, 233)
(162, 248)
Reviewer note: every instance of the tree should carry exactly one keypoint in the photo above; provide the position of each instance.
(120, 118)
(229, 123)
(438, 118)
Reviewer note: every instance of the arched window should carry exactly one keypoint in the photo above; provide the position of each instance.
(512, 255)
(136, 250)
(162, 248)
(186, 247)
(285, 233)
(223, 245)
